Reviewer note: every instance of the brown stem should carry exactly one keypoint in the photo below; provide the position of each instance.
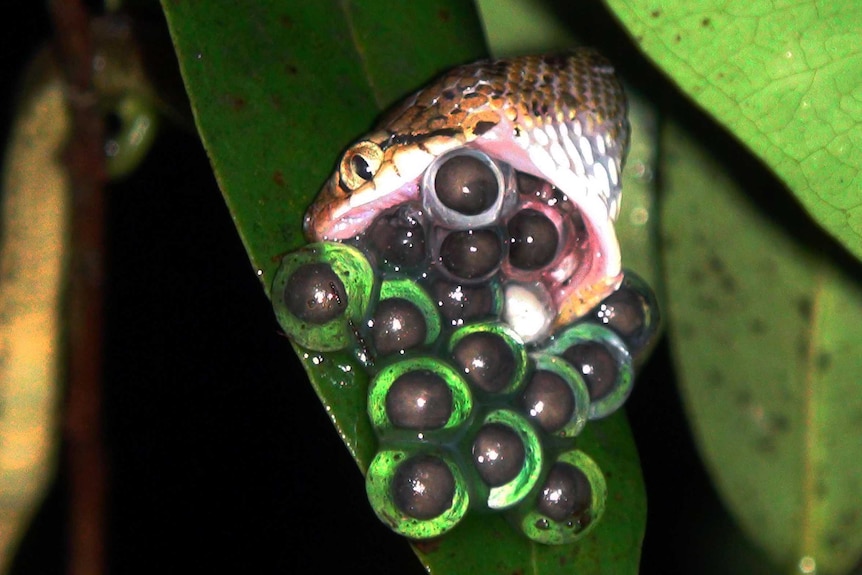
(86, 461)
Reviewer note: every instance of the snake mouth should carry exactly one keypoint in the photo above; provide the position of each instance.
(343, 219)
(470, 220)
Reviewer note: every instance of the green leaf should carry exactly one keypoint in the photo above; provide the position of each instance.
(783, 77)
(275, 104)
(293, 86)
(766, 325)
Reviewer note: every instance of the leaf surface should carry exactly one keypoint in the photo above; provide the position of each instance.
(294, 85)
(783, 77)
(766, 325)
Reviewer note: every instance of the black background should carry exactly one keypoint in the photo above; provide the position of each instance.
(222, 459)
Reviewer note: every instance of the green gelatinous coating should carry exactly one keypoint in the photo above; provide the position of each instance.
(413, 292)
(580, 393)
(462, 398)
(357, 276)
(379, 487)
(590, 333)
(544, 529)
(513, 492)
(513, 341)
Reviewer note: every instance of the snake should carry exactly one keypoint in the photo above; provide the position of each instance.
(561, 118)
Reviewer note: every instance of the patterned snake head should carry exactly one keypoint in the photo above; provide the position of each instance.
(546, 134)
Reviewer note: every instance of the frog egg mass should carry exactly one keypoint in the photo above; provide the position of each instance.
(464, 253)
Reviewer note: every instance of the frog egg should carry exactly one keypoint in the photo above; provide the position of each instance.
(466, 189)
(471, 255)
(555, 397)
(397, 237)
(459, 303)
(418, 397)
(532, 186)
(319, 292)
(568, 504)
(491, 356)
(533, 240)
(419, 495)
(498, 454)
(601, 358)
(507, 456)
(405, 317)
(632, 312)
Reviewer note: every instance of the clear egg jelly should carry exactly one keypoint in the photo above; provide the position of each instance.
(475, 397)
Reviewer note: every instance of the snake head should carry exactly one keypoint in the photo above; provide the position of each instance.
(556, 122)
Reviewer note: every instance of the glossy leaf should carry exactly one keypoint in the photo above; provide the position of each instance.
(783, 77)
(766, 325)
(296, 83)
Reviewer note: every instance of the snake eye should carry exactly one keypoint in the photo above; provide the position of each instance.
(361, 167)
(465, 189)
(360, 164)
